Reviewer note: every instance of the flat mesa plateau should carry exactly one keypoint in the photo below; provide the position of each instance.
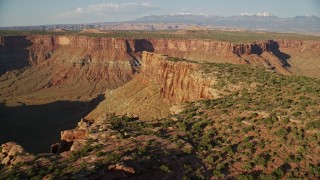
(175, 104)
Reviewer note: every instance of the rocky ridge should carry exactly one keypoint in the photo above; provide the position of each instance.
(162, 82)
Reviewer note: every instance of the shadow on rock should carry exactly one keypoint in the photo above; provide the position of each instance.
(140, 45)
(37, 127)
(156, 161)
(274, 48)
(14, 54)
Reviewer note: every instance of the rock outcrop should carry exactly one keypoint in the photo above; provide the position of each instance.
(179, 81)
(69, 137)
(12, 153)
(162, 82)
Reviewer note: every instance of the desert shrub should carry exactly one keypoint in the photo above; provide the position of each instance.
(247, 129)
(312, 138)
(165, 168)
(282, 132)
(142, 150)
(313, 125)
(207, 141)
(268, 120)
(296, 114)
(246, 139)
(217, 173)
(249, 145)
(286, 120)
(278, 173)
(254, 115)
(229, 150)
(238, 119)
(244, 177)
(301, 149)
(112, 157)
(314, 170)
(267, 177)
(182, 127)
(187, 150)
(260, 160)
(210, 159)
(247, 167)
(57, 171)
(178, 144)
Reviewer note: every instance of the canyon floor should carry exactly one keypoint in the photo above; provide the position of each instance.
(168, 104)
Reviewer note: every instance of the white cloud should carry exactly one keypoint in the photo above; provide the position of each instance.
(106, 9)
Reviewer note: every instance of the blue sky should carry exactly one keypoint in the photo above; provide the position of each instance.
(37, 12)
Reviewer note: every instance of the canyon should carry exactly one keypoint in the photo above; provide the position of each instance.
(43, 69)
(77, 85)
(89, 65)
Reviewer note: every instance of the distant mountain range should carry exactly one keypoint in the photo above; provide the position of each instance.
(256, 22)
(260, 21)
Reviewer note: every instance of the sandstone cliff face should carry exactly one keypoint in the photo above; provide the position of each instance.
(179, 81)
(304, 56)
(117, 47)
(90, 65)
(160, 84)
(63, 66)
(214, 51)
(104, 49)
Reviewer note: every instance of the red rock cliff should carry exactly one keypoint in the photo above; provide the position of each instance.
(81, 65)
(113, 61)
(179, 81)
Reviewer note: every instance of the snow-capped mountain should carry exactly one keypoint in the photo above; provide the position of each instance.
(259, 21)
(262, 14)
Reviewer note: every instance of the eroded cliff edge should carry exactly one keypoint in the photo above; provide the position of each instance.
(162, 82)
(89, 65)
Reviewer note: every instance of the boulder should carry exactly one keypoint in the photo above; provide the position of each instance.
(60, 147)
(22, 159)
(6, 161)
(71, 135)
(15, 150)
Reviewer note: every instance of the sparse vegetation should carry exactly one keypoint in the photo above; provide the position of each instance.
(257, 131)
(229, 36)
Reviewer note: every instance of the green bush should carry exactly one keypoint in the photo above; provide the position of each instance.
(282, 132)
(278, 173)
(244, 177)
(165, 168)
(269, 120)
(286, 120)
(260, 160)
(217, 173)
(296, 114)
(100, 153)
(210, 159)
(313, 125)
